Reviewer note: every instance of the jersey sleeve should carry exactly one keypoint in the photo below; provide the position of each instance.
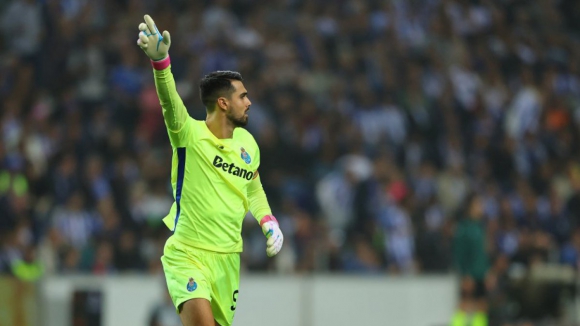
(178, 122)
(258, 201)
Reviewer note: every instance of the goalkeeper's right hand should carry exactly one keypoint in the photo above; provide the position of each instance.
(153, 43)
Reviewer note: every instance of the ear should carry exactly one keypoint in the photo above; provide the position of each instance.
(222, 103)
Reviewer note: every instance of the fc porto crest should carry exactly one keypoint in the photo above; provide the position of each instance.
(191, 285)
(245, 156)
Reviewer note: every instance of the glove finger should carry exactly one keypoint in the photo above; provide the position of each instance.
(142, 45)
(150, 23)
(271, 241)
(144, 39)
(273, 250)
(143, 28)
(166, 38)
(267, 230)
(278, 242)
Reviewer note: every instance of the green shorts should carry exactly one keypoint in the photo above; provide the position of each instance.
(195, 273)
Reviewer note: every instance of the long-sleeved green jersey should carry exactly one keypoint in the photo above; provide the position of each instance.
(215, 181)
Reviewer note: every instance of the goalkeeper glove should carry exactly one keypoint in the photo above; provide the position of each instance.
(271, 230)
(153, 43)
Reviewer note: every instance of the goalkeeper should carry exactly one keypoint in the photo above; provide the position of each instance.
(215, 182)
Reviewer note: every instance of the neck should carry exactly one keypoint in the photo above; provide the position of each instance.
(219, 125)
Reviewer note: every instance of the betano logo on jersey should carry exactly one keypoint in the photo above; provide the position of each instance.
(232, 169)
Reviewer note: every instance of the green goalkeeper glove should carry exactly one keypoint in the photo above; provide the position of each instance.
(153, 43)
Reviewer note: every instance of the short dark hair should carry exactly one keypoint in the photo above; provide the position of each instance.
(216, 84)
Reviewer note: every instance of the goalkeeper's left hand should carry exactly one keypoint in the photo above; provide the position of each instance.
(271, 230)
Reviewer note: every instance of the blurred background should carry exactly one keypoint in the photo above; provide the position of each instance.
(426, 143)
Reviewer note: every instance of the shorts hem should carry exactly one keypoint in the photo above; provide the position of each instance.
(185, 299)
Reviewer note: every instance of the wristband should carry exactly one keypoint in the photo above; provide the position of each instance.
(268, 218)
(161, 64)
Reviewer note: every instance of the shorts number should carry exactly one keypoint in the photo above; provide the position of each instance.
(235, 298)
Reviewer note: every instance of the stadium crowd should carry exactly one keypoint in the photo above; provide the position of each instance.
(385, 127)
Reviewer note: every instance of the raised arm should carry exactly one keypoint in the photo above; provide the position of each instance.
(156, 46)
(174, 112)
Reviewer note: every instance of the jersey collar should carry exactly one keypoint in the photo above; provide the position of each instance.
(222, 144)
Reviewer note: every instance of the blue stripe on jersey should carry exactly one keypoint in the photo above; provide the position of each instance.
(180, 176)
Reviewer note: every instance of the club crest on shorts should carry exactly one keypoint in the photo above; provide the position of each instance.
(191, 285)
(245, 156)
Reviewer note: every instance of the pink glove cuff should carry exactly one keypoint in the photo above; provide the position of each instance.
(268, 218)
(161, 64)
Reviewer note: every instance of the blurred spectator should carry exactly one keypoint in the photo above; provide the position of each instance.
(73, 224)
(163, 314)
(472, 264)
(126, 254)
(570, 253)
(362, 258)
(28, 268)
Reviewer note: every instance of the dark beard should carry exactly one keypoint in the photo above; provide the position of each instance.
(238, 122)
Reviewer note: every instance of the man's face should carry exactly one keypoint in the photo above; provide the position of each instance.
(239, 102)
